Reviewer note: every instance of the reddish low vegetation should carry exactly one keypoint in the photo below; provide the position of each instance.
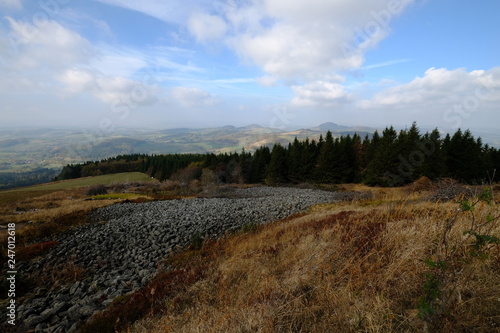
(34, 250)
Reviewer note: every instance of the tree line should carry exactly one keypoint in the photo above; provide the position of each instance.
(390, 158)
(27, 178)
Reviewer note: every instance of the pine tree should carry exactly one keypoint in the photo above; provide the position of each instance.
(325, 169)
(463, 157)
(383, 167)
(258, 165)
(294, 161)
(369, 149)
(433, 166)
(276, 172)
(410, 156)
(309, 158)
(244, 161)
(346, 165)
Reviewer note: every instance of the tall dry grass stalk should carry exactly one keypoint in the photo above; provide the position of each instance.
(341, 268)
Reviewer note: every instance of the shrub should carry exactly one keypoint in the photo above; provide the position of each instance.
(96, 190)
(452, 267)
(187, 174)
(169, 185)
(195, 186)
(31, 251)
(208, 177)
(449, 189)
(419, 185)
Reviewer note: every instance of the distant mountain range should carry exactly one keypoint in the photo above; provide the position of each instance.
(24, 150)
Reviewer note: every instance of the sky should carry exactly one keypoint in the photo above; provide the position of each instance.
(109, 64)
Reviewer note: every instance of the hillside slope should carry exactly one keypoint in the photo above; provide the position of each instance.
(398, 263)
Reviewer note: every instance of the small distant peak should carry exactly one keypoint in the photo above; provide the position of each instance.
(329, 126)
(253, 126)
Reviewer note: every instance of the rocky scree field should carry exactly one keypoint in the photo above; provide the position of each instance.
(123, 246)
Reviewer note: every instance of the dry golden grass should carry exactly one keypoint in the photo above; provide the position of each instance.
(344, 267)
(33, 210)
(340, 268)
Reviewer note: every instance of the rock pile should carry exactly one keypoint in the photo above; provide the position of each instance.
(121, 248)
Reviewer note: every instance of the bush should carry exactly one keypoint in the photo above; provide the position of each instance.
(187, 175)
(420, 185)
(448, 189)
(96, 190)
(169, 185)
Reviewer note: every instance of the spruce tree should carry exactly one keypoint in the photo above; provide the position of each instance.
(433, 166)
(325, 169)
(383, 167)
(276, 172)
(294, 161)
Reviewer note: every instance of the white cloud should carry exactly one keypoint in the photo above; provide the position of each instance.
(119, 62)
(206, 27)
(191, 97)
(52, 59)
(266, 80)
(300, 39)
(320, 94)
(308, 39)
(437, 88)
(114, 90)
(447, 98)
(47, 45)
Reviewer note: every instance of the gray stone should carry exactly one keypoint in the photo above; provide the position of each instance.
(86, 311)
(38, 303)
(62, 298)
(73, 328)
(55, 320)
(74, 288)
(122, 254)
(107, 302)
(74, 312)
(46, 314)
(40, 327)
(61, 306)
(33, 320)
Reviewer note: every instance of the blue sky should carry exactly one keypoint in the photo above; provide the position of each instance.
(285, 64)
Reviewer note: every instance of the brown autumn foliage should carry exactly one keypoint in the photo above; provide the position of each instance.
(344, 267)
(356, 266)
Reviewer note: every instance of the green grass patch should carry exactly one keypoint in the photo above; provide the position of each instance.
(87, 181)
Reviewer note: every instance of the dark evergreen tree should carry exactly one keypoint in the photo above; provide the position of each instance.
(464, 158)
(260, 160)
(325, 168)
(433, 166)
(346, 162)
(276, 172)
(410, 155)
(294, 161)
(383, 167)
(369, 149)
(390, 159)
(308, 160)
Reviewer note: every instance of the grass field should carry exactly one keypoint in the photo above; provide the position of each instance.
(86, 181)
(48, 209)
(394, 263)
(397, 262)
